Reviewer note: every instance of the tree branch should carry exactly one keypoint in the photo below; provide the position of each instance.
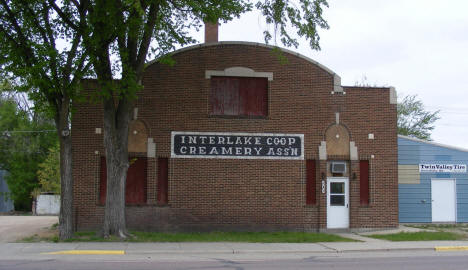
(146, 39)
(53, 55)
(63, 16)
(37, 24)
(71, 55)
(7, 34)
(132, 36)
(14, 22)
(79, 71)
(122, 39)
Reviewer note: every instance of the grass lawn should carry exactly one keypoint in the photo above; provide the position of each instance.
(419, 236)
(441, 227)
(248, 237)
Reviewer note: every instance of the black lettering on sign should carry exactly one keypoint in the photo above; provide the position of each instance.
(237, 145)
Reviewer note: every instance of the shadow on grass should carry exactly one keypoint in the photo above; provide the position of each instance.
(419, 236)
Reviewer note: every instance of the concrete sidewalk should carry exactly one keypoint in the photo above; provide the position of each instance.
(41, 251)
(46, 250)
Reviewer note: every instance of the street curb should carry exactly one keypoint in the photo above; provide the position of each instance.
(387, 249)
(451, 248)
(274, 251)
(250, 251)
(87, 252)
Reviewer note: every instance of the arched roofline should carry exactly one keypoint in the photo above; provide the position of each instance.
(336, 77)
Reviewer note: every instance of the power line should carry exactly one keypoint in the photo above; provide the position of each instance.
(28, 131)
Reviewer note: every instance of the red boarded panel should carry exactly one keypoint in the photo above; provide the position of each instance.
(103, 182)
(217, 96)
(310, 182)
(364, 181)
(162, 180)
(242, 96)
(135, 187)
(253, 94)
(231, 96)
(224, 98)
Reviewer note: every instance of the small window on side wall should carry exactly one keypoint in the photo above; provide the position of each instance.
(239, 96)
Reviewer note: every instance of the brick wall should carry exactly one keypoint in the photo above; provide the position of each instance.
(235, 194)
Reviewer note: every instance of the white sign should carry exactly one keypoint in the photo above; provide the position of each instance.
(442, 168)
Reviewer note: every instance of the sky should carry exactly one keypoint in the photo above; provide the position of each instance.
(418, 46)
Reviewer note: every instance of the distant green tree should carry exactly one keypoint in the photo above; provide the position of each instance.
(414, 120)
(49, 171)
(24, 143)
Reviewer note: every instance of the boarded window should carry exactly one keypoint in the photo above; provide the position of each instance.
(409, 174)
(310, 182)
(239, 96)
(135, 188)
(162, 180)
(364, 181)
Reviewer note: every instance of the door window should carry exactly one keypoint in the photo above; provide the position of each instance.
(337, 194)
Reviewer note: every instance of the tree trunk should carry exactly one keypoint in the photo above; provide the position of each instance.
(116, 123)
(66, 176)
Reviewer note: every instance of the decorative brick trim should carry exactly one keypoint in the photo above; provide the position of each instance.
(238, 72)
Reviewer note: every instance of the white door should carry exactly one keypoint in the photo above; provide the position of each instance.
(337, 202)
(443, 200)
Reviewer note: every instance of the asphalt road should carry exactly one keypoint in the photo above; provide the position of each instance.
(419, 260)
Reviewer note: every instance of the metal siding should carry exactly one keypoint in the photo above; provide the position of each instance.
(408, 152)
(411, 207)
(462, 197)
(415, 202)
(6, 204)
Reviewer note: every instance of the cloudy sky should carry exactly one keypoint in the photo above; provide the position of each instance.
(418, 46)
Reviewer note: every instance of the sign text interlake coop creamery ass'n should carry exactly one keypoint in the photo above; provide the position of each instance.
(237, 145)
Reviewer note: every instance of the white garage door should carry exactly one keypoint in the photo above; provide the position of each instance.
(443, 200)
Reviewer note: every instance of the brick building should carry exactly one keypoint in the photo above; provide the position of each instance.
(232, 138)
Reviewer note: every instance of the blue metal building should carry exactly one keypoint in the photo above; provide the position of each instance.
(432, 182)
(6, 204)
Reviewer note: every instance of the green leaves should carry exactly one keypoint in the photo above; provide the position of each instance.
(414, 120)
(24, 142)
(39, 48)
(49, 171)
(302, 16)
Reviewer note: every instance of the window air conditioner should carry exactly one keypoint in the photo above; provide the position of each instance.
(338, 167)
